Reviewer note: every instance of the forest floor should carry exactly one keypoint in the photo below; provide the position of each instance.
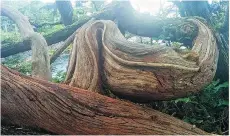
(9, 129)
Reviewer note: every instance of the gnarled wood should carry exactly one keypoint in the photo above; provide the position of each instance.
(67, 110)
(40, 57)
(102, 55)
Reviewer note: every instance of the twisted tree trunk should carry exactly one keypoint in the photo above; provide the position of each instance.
(102, 56)
(62, 109)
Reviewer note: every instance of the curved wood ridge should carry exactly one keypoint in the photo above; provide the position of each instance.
(150, 72)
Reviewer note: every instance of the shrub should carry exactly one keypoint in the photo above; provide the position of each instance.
(207, 110)
(59, 77)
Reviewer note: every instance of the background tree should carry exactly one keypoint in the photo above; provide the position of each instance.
(66, 11)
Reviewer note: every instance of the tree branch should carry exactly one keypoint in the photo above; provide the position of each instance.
(40, 57)
(128, 20)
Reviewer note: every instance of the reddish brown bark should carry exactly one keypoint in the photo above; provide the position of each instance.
(67, 110)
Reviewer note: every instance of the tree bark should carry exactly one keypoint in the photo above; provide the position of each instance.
(102, 56)
(66, 10)
(62, 109)
(40, 57)
(66, 43)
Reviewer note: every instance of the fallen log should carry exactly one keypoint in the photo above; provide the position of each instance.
(62, 109)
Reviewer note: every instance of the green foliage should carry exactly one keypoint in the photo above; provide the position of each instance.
(37, 15)
(9, 32)
(213, 95)
(207, 110)
(87, 8)
(18, 64)
(51, 52)
(69, 48)
(185, 100)
(218, 18)
(10, 37)
(59, 77)
(50, 29)
(176, 44)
